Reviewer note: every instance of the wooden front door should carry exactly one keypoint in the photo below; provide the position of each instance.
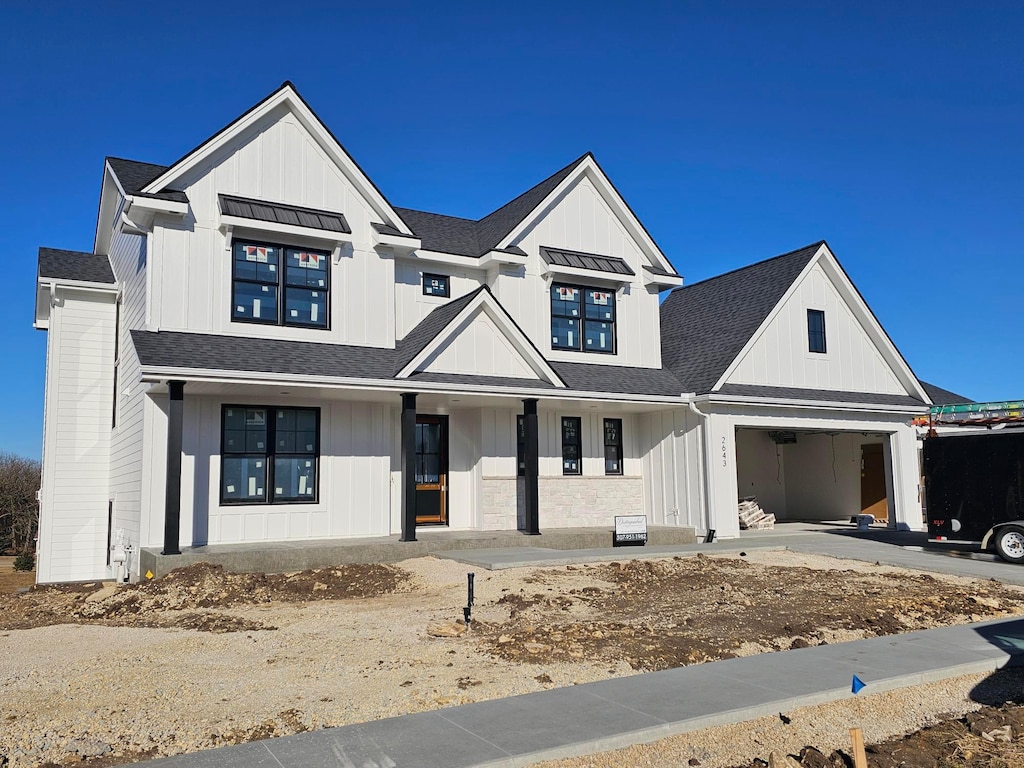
(872, 481)
(431, 470)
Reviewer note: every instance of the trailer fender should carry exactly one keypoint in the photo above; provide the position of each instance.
(986, 542)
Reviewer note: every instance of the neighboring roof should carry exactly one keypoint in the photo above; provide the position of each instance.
(281, 213)
(172, 349)
(74, 265)
(829, 395)
(590, 261)
(940, 396)
(133, 176)
(704, 326)
(621, 379)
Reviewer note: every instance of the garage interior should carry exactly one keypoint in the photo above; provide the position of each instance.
(815, 476)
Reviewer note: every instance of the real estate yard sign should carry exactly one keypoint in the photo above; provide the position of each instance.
(630, 531)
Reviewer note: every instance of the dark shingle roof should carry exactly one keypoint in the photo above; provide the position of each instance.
(172, 349)
(828, 395)
(134, 175)
(281, 213)
(74, 265)
(465, 237)
(446, 234)
(620, 379)
(940, 396)
(590, 261)
(429, 327)
(705, 325)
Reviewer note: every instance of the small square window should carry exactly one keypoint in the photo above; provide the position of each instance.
(435, 285)
(816, 330)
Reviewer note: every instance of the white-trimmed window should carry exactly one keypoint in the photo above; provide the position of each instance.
(279, 285)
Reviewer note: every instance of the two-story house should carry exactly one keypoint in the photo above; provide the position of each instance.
(260, 347)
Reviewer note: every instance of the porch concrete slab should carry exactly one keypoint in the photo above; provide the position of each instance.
(582, 719)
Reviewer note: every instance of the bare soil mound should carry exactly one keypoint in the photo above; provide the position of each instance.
(193, 597)
(658, 614)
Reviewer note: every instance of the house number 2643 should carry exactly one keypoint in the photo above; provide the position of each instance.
(725, 454)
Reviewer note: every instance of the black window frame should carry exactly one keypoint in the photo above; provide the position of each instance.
(617, 444)
(281, 286)
(578, 444)
(583, 319)
(432, 276)
(269, 455)
(815, 335)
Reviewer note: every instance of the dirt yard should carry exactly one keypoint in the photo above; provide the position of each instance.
(202, 658)
(11, 580)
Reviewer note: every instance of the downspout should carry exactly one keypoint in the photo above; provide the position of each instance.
(706, 463)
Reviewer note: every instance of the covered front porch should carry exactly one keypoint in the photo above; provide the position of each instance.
(386, 471)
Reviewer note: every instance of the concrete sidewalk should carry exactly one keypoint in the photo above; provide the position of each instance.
(582, 719)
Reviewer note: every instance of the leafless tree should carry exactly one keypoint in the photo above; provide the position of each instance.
(19, 510)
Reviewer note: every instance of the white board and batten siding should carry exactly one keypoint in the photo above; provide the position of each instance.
(852, 362)
(354, 477)
(411, 306)
(582, 221)
(76, 453)
(277, 161)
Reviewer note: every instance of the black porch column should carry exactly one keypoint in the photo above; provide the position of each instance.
(172, 499)
(531, 457)
(408, 466)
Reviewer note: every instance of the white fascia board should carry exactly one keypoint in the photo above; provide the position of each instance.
(449, 259)
(588, 166)
(258, 225)
(288, 97)
(771, 316)
(870, 323)
(398, 243)
(159, 374)
(587, 274)
(77, 285)
(664, 281)
(156, 205)
(829, 405)
(502, 258)
(484, 300)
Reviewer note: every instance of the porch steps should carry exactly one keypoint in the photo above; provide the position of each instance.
(752, 517)
(288, 556)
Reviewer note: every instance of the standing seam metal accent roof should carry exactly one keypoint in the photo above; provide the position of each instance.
(74, 265)
(591, 261)
(281, 213)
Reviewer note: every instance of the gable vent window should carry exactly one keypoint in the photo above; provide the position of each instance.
(815, 330)
(277, 285)
(582, 319)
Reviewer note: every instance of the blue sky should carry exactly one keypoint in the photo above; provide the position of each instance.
(735, 132)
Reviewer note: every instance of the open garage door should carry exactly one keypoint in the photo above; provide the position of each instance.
(815, 476)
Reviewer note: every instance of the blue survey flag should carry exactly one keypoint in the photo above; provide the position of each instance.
(858, 684)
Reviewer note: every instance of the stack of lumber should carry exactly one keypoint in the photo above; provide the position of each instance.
(753, 517)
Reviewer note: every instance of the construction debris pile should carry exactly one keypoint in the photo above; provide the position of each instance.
(753, 517)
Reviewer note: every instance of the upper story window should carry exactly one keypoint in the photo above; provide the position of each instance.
(435, 285)
(815, 330)
(582, 319)
(278, 285)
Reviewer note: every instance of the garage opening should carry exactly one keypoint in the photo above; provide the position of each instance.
(815, 476)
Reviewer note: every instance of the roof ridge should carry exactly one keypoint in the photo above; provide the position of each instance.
(817, 244)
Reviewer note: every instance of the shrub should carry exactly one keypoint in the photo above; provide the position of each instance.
(26, 561)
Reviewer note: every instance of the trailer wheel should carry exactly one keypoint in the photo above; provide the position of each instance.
(1010, 544)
